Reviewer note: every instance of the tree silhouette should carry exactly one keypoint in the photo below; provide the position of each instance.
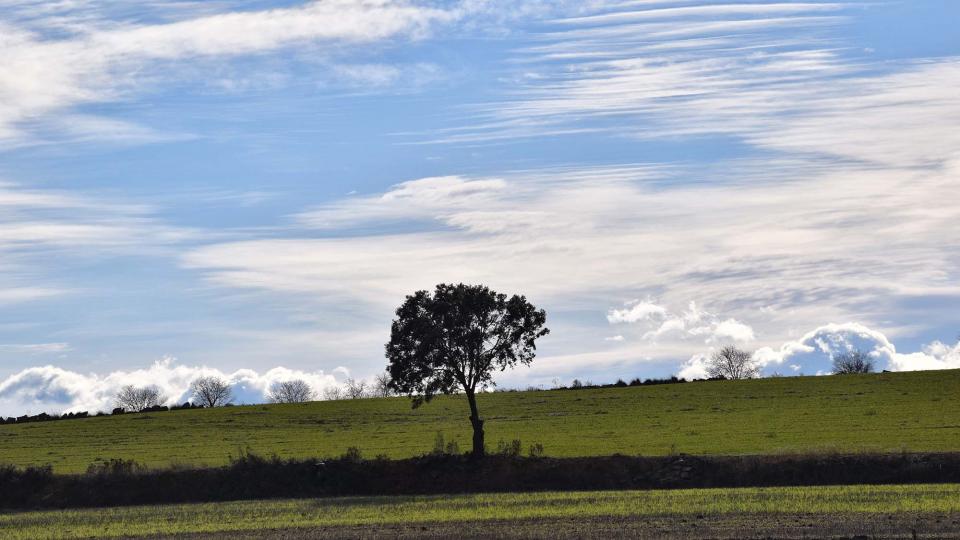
(732, 363)
(454, 339)
(293, 391)
(211, 391)
(852, 362)
(136, 399)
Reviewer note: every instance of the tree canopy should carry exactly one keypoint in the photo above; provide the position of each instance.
(456, 338)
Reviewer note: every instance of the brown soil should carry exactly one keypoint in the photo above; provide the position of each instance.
(778, 526)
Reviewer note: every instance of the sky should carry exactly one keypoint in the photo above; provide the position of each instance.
(250, 188)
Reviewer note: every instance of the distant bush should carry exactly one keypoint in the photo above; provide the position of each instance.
(536, 450)
(443, 447)
(43, 417)
(116, 467)
(352, 454)
(511, 449)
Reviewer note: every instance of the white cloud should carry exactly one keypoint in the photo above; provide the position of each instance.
(787, 245)
(761, 72)
(694, 368)
(814, 351)
(733, 330)
(639, 311)
(35, 348)
(100, 61)
(445, 199)
(37, 226)
(660, 323)
(54, 389)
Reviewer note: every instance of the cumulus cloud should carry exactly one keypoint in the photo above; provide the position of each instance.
(638, 311)
(814, 351)
(693, 322)
(694, 368)
(54, 389)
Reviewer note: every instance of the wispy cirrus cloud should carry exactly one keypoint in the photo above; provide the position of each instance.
(767, 73)
(38, 225)
(89, 59)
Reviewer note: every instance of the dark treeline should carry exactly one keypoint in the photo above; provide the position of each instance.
(118, 482)
(44, 417)
(577, 384)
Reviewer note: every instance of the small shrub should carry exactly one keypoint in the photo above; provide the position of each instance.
(536, 450)
(453, 449)
(352, 454)
(116, 467)
(439, 444)
(512, 449)
(443, 447)
(576, 384)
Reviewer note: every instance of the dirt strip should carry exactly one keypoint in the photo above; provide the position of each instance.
(747, 526)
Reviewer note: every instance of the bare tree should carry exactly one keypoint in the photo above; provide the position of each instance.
(381, 385)
(133, 398)
(211, 391)
(333, 393)
(356, 389)
(295, 391)
(852, 362)
(732, 363)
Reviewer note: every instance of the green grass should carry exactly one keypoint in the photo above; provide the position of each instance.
(885, 412)
(379, 511)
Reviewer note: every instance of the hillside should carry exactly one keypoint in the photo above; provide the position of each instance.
(883, 412)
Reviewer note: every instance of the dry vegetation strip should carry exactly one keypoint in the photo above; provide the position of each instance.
(882, 412)
(371, 514)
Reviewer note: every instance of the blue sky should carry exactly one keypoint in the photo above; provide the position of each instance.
(249, 188)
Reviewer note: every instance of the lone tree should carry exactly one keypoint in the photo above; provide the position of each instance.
(381, 386)
(133, 398)
(333, 393)
(455, 339)
(732, 363)
(852, 362)
(295, 391)
(356, 389)
(211, 391)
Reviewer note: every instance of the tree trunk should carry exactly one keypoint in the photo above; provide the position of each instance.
(478, 446)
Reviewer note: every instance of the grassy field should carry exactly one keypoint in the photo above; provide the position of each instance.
(379, 512)
(884, 412)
